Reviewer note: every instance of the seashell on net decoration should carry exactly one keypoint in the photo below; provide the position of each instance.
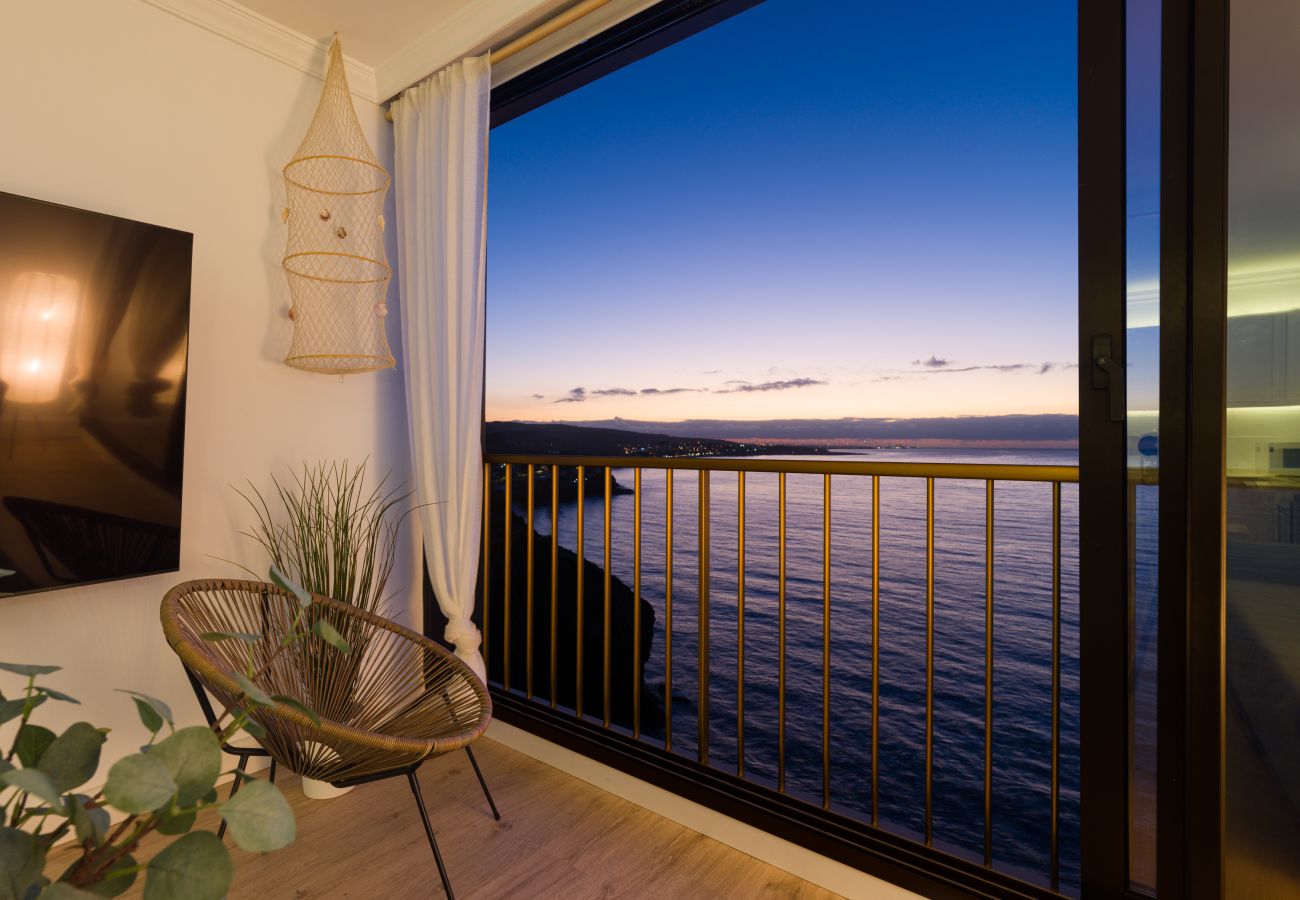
(335, 260)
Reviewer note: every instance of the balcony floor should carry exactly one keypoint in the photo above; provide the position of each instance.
(558, 837)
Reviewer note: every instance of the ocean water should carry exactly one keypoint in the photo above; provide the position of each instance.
(1022, 611)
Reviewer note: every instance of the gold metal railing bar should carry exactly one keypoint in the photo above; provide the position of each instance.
(505, 583)
(740, 624)
(988, 672)
(1056, 681)
(929, 661)
(702, 532)
(875, 649)
(528, 593)
(780, 640)
(826, 642)
(636, 606)
(555, 581)
(668, 610)
(582, 496)
(966, 471)
(606, 629)
(487, 555)
(1053, 475)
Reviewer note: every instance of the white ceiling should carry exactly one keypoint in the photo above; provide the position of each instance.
(374, 31)
(404, 40)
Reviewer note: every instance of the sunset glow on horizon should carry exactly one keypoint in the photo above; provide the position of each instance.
(749, 226)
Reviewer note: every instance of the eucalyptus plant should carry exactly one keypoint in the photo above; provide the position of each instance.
(159, 790)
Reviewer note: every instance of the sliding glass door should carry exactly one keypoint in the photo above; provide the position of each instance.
(1262, 716)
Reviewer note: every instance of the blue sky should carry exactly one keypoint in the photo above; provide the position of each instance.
(813, 209)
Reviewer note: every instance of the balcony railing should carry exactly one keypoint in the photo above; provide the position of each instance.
(558, 634)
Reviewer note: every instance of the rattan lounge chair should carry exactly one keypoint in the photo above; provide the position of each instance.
(396, 700)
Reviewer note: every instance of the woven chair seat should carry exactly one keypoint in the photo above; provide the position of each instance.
(397, 698)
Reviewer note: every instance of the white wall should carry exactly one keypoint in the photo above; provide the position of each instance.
(119, 107)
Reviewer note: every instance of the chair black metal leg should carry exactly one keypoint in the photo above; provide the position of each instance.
(482, 783)
(428, 830)
(234, 789)
(272, 771)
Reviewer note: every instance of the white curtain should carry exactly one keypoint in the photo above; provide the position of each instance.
(440, 128)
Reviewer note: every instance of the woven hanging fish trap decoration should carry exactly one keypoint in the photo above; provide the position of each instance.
(335, 261)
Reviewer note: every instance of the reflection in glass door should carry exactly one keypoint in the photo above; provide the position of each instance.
(1142, 340)
(1262, 716)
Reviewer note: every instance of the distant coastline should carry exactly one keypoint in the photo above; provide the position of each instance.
(778, 437)
(556, 439)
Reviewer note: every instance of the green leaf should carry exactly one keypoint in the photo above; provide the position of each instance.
(193, 757)
(21, 860)
(259, 818)
(195, 867)
(298, 705)
(255, 728)
(12, 709)
(28, 670)
(91, 824)
(34, 782)
(56, 695)
(112, 884)
(293, 587)
(61, 890)
(31, 742)
(254, 693)
(148, 715)
(5, 573)
(245, 636)
(327, 633)
(5, 766)
(178, 824)
(73, 757)
(162, 709)
(139, 783)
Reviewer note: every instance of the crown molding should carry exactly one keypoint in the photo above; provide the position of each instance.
(471, 30)
(268, 37)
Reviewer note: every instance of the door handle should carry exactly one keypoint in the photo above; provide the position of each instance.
(1108, 374)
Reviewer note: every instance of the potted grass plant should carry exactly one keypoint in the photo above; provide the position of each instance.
(336, 535)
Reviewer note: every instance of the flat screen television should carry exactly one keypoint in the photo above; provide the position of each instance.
(94, 328)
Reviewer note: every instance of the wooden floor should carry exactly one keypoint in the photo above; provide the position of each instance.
(558, 837)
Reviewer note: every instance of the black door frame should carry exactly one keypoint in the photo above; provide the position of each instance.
(1103, 470)
(1193, 293)
(1193, 330)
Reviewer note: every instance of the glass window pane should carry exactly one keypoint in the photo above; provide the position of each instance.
(1142, 175)
(1263, 452)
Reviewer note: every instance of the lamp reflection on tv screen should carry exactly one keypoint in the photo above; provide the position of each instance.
(94, 316)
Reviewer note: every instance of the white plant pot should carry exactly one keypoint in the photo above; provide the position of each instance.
(321, 790)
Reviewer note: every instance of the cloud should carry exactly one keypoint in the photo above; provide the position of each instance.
(936, 366)
(577, 395)
(539, 396)
(933, 362)
(744, 387)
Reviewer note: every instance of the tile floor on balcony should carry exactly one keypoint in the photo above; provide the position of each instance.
(558, 837)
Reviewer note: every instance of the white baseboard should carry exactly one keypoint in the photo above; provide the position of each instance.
(799, 861)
